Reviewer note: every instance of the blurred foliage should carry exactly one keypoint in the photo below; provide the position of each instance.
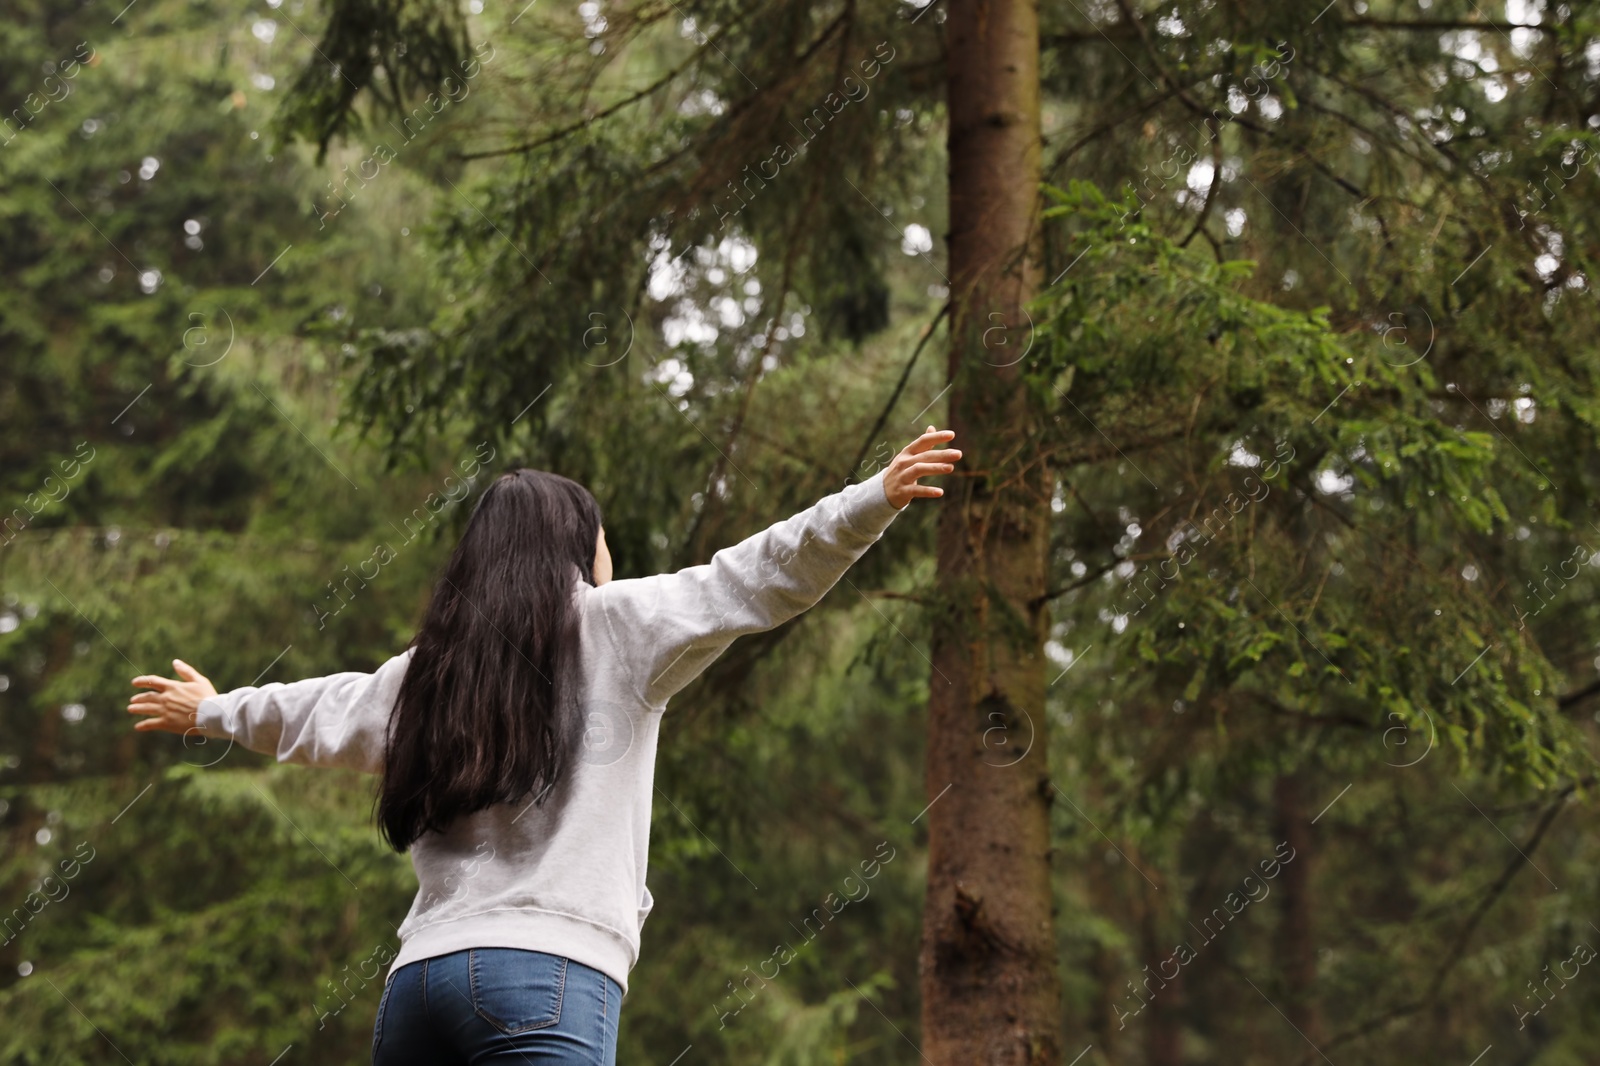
(1317, 352)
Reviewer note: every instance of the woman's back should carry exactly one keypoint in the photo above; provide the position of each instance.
(567, 875)
(517, 740)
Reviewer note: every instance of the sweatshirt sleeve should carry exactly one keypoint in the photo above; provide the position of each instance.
(670, 627)
(341, 720)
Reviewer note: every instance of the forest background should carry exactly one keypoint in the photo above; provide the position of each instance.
(1307, 374)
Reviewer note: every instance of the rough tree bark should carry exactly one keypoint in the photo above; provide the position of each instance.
(991, 989)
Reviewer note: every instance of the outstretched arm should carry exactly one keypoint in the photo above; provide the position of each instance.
(336, 721)
(669, 628)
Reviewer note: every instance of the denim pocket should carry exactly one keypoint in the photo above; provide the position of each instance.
(517, 991)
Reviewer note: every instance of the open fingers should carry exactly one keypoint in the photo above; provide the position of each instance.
(160, 684)
(930, 438)
(916, 470)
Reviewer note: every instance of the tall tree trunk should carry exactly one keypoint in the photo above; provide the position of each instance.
(1164, 1031)
(991, 989)
(1297, 945)
(47, 741)
(1107, 968)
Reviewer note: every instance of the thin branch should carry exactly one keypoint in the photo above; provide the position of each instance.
(1112, 123)
(1497, 889)
(1572, 699)
(889, 594)
(1395, 110)
(1149, 50)
(1255, 127)
(1216, 182)
(651, 89)
(1311, 103)
(1524, 854)
(1310, 719)
(573, 127)
(899, 387)
(1425, 25)
(1095, 575)
(1087, 579)
(1122, 32)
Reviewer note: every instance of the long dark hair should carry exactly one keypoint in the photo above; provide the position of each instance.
(488, 710)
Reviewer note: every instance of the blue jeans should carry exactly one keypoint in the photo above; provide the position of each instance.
(497, 1005)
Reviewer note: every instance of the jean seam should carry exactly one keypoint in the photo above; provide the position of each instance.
(561, 990)
(425, 1011)
(605, 1016)
(377, 1036)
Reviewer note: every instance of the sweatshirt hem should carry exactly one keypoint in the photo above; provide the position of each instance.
(552, 932)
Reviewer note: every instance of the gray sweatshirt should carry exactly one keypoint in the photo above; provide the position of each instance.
(570, 879)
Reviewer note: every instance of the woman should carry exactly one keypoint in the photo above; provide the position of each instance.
(516, 739)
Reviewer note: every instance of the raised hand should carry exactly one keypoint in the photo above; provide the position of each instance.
(171, 707)
(919, 459)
